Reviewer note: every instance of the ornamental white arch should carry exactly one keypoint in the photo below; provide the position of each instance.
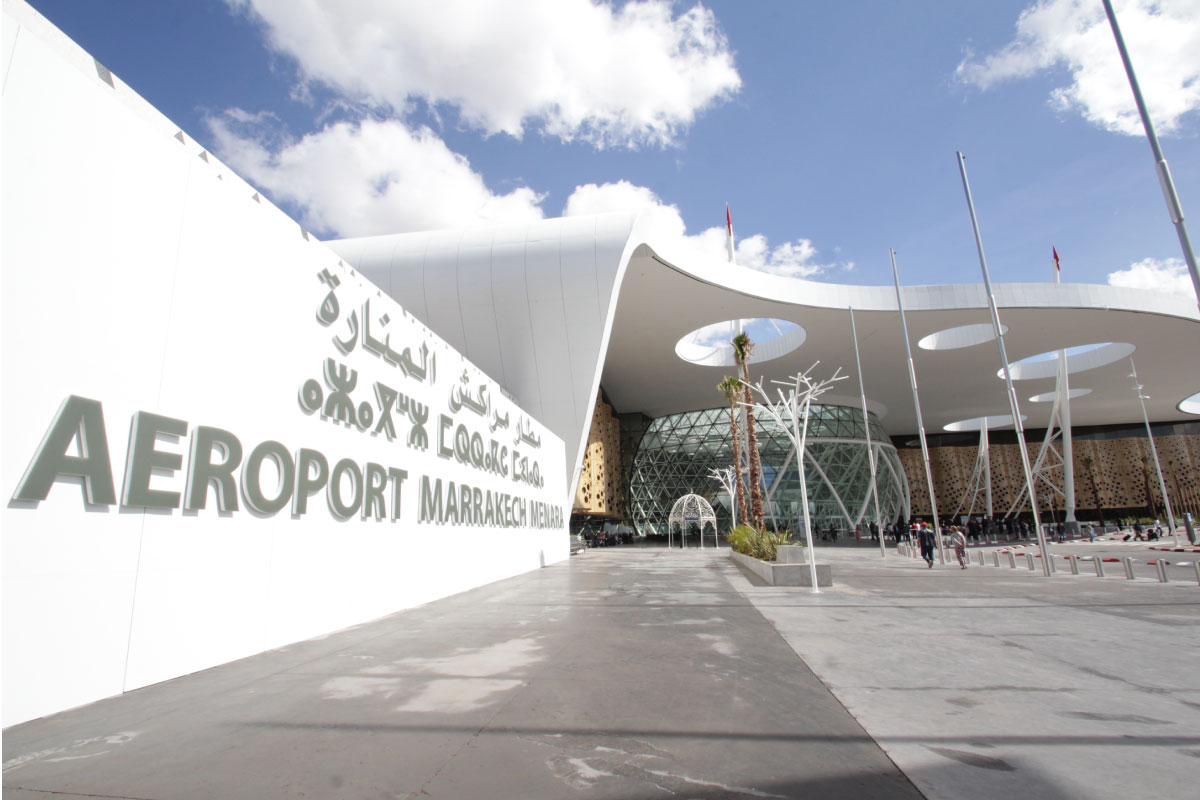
(688, 509)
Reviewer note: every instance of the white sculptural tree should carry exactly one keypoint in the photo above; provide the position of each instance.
(790, 411)
(725, 477)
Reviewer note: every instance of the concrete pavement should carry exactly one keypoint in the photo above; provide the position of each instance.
(621, 674)
(995, 683)
(653, 673)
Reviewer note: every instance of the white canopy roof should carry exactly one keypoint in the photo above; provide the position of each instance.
(556, 308)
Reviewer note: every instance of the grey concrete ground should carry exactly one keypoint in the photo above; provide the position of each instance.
(647, 674)
(995, 683)
(635, 674)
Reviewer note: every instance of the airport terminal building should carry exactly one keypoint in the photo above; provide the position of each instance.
(222, 435)
(591, 322)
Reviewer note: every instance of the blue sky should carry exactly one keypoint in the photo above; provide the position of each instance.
(829, 128)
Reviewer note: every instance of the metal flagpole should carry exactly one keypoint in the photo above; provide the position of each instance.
(735, 329)
(1063, 388)
(912, 379)
(862, 390)
(1162, 485)
(736, 324)
(1160, 160)
(1047, 567)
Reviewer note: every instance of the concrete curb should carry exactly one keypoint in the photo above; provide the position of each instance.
(777, 574)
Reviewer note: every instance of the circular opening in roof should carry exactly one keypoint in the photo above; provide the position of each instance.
(1190, 405)
(975, 423)
(1079, 359)
(962, 336)
(1048, 397)
(710, 346)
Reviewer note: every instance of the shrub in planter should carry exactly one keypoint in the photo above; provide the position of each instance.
(756, 543)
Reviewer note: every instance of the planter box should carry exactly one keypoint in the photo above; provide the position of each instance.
(784, 574)
(791, 554)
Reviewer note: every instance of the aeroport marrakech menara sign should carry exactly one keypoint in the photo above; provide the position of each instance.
(269, 476)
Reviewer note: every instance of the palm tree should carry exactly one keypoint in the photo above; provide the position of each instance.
(742, 348)
(1088, 461)
(732, 389)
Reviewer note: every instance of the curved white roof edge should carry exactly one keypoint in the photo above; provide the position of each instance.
(800, 291)
(534, 304)
(529, 304)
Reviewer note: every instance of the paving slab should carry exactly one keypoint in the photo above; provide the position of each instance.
(626, 674)
(994, 683)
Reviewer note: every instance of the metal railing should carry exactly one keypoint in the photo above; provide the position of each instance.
(1162, 574)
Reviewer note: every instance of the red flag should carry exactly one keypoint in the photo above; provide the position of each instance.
(1056, 264)
(729, 233)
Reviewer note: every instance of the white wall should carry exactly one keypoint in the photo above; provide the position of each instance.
(141, 275)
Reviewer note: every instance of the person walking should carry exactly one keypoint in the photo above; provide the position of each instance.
(926, 540)
(959, 540)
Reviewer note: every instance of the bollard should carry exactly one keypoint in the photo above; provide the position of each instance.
(979, 553)
(1162, 570)
(1074, 559)
(1196, 566)
(1012, 559)
(996, 558)
(1029, 558)
(1128, 568)
(1099, 566)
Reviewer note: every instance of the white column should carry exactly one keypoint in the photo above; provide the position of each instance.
(986, 454)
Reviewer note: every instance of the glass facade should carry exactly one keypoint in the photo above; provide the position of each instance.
(677, 452)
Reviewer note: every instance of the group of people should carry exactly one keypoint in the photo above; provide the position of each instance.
(1142, 533)
(978, 529)
(927, 540)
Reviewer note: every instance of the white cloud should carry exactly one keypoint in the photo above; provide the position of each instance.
(366, 178)
(798, 259)
(377, 177)
(1163, 40)
(575, 69)
(1162, 275)
(759, 329)
(712, 335)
